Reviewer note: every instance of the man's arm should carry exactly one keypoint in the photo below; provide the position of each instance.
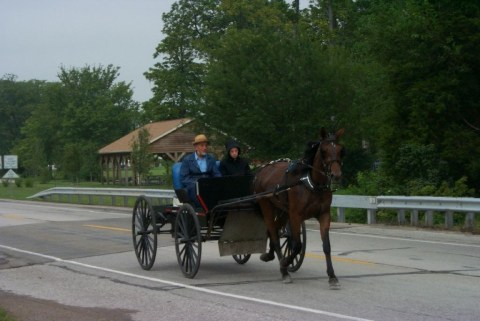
(185, 177)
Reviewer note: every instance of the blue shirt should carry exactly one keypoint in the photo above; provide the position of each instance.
(202, 163)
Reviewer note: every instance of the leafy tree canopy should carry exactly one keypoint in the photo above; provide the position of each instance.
(77, 116)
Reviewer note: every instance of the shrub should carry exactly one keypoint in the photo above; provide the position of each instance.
(18, 182)
(5, 182)
(28, 182)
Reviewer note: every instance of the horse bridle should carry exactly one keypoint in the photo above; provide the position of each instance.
(326, 168)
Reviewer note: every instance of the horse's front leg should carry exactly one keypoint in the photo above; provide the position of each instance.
(325, 235)
(270, 255)
(275, 245)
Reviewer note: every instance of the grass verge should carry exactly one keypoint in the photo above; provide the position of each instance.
(4, 316)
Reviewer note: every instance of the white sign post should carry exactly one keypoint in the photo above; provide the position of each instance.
(10, 162)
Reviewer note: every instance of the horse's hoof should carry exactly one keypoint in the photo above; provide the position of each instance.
(334, 284)
(267, 257)
(286, 279)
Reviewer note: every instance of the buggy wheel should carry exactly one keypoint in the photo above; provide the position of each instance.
(286, 246)
(144, 232)
(241, 258)
(188, 240)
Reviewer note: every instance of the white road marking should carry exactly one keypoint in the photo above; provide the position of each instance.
(190, 287)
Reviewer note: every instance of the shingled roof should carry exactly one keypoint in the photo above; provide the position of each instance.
(157, 130)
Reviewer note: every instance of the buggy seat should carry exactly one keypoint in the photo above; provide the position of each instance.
(181, 192)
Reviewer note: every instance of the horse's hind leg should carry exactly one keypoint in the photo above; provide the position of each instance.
(325, 235)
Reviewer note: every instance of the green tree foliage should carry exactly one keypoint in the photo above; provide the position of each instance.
(17, 99)
(428, 52)
(72, 161)
(86, 110)
(401, 76)
(270, 83)
(179, 75)
(38, 147)
(142, 160)
(94, 107)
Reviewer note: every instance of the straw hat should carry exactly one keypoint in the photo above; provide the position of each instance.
(200, 139)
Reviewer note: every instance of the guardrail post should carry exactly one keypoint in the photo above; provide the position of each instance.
(448, 219)
(469, 221)
(340, 215)
(401, 216)
(429, 218)
(371, 216)
(414, 217)
(125, 201)
(90, 199)
(114, 200)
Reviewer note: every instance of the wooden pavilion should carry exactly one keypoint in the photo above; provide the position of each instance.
(169, 139)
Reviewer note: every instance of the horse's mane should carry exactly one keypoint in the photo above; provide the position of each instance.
(310, 151)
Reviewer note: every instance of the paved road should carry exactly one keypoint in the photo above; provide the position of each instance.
(60, 262)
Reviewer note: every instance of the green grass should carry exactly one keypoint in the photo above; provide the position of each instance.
(4, 316)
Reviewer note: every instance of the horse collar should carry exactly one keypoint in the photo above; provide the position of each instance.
(307, 181)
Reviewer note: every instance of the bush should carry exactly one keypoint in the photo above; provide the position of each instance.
(5, 182)
(28, 182)
(18, 182)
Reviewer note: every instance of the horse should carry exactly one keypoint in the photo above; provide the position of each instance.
(300, 190)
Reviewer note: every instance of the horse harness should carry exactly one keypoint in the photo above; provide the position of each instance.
(306, 178)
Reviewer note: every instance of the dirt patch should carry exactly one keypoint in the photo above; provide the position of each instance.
(25, 308)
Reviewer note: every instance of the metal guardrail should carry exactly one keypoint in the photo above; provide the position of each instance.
(413, 204)
(402, 204)
(101, 193)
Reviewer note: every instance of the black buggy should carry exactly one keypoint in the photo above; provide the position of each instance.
(229, 214)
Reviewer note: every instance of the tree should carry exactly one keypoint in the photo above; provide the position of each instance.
(17, 99)
(178, 78)
(427, 50)
(270, 82)
(142, 160)
(394, 73)
(95, 107)
(83, 112)
(72, 161)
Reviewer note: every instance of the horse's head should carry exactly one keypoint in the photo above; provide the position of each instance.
(329, 154)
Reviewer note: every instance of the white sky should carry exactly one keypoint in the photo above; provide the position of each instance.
(39, 36)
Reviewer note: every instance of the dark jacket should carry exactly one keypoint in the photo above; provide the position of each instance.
(190, 173)
(234, 167)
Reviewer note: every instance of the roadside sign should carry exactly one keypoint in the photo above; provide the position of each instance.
(10, 161)
(10, 174)
(1, 165)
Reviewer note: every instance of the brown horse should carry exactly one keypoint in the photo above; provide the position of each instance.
(301, 190)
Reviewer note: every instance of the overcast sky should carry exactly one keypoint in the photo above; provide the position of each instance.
(39, 36)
